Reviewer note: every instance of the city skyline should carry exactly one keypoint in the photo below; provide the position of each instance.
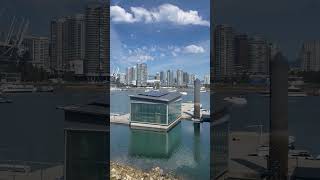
(138, 75)
(158, 38)
(273, 20)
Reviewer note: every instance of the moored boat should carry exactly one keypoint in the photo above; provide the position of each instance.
(13, 88)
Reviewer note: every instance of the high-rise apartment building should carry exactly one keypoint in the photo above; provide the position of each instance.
(170, 78)
(206, 79)
(67, 44)
(157, 76)
(142, 74)
(192, 78)
(163, 78)
(185, 78)
(179, 78)
(38, 48)
(259, 56)
(129, 75)
(58, 45)
(310, 56)
(134, 73)
(223, 52)
(241, 53)
(97, 50)
(76, 43)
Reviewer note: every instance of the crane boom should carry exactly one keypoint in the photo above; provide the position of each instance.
(25, 28)
(10, 30)
(19, 31)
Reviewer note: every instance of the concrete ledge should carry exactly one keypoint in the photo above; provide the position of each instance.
(153, 127)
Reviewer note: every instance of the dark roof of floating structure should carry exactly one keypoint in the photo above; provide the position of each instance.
(156, 96)
(306, 173)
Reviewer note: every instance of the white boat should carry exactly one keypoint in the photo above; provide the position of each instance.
(172, 90)
(15, 168)
(295, 92)
(4, 100)
(203, 89)
(296, 154)
(45, 89)
(12, 88)
(236, 100)
(115, 89)
(184, 93)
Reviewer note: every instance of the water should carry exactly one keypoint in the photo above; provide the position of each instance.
(183, 151)
(303, 118)
(32, 128)
(120, 99)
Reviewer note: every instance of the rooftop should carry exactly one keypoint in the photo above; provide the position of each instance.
(306, 173)
(157, 96)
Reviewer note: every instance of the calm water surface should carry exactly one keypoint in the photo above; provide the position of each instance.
(303, 117)
(183, 151)
(32, 130)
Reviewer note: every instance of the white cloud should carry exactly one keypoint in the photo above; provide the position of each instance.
(118, 14)
(142, 15)
(176, 49)
(174, 53)
(172, 13)
(194, 49)
(163, 13)
(145, 58)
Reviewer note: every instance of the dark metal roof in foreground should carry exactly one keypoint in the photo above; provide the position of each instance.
(306, 173)
(154, 93)
(158, 96)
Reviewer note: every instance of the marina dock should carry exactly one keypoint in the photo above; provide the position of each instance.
(247, 156)
(119, 118)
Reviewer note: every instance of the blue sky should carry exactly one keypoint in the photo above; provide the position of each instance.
(171, 34)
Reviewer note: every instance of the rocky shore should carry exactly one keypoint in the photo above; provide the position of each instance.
(124, 172)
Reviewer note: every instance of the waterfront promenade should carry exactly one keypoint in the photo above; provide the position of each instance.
(49, 173)
(247, 158)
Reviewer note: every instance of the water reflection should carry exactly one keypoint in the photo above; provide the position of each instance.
(196, 142)
(154, 144)
(86, 154)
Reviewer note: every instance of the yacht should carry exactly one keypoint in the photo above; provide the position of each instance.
(172, 90)
(294, 91)
(115, 89)
(183, 93)
(203, 90)
(4, 100)
(236, 100)
(304, 154)
(18, 88)
(45, 89)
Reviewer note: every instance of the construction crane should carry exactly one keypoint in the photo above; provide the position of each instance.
(11, 29)
(21, 37)
(15, 44)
